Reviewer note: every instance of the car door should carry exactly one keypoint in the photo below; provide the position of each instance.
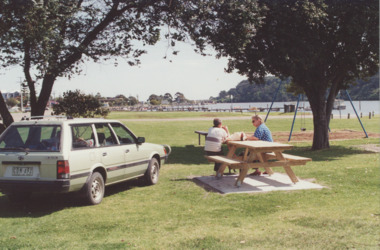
(136, 159)
(111, 152)
(83, 155)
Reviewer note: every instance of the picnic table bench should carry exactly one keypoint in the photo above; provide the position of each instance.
(258, 154)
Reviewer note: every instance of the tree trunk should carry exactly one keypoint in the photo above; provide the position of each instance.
(5, 114)
(38, 108)
(321, 130)
(320, 120)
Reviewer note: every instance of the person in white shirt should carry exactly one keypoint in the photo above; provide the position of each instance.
(217, 135)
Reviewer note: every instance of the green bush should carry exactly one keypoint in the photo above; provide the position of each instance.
(77, 104)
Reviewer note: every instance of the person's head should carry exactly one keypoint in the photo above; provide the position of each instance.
(257, 120)
(217, 122)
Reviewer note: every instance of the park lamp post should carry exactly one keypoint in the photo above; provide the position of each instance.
(231, 96)
(21, 97)
(21, 107)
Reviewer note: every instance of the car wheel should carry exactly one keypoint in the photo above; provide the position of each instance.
(152, 173)
(94, 189)
(17, 197)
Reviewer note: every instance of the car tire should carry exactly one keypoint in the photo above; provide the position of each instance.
(152, 173)
(94, 189)
(18, 197)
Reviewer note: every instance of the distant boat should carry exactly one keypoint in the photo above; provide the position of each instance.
(339, 104)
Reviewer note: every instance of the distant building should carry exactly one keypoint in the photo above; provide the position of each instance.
(8, 95)
(51, 103)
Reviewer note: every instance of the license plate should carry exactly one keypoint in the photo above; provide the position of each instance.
(22, 171)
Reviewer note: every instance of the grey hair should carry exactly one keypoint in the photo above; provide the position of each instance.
(217, 121)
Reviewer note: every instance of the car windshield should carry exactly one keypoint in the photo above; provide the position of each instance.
(31, 138)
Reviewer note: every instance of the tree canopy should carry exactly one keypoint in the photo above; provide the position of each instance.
(246, 92)
(167, 97)
(52, 38)
(322, 45)
(365, 89)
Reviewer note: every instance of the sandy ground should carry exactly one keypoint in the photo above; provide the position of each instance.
(345, 134)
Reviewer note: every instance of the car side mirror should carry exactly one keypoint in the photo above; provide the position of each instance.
(140, 140)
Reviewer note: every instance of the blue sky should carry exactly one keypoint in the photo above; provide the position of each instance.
(196, 76)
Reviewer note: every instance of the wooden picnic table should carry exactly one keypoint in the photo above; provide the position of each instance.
(258, 154)
(199, 135)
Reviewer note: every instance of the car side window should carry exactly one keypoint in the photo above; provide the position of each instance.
(125, 136)
(83, 136)
(105, 135)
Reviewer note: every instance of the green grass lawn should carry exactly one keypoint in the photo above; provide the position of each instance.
(178, 214)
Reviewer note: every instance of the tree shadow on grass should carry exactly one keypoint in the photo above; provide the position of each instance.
(188, 154)
(194, 155)
(39, 205)
(330, 154)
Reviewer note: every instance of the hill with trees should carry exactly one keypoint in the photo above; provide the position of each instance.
(365, 90)
(246, 92)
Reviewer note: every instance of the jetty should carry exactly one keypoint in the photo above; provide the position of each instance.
(197, 108)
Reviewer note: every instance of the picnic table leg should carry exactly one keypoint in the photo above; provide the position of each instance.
(230, 153)
(245, 154)
(287, 168)
(251, 157)
(242, 175)
(291, 174)
(199, 139)
(221, 169)
(262, 160)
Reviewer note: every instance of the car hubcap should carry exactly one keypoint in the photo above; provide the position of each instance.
(96, 189)
(154, 172)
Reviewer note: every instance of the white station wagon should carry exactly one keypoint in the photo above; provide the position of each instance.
(59, 154)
